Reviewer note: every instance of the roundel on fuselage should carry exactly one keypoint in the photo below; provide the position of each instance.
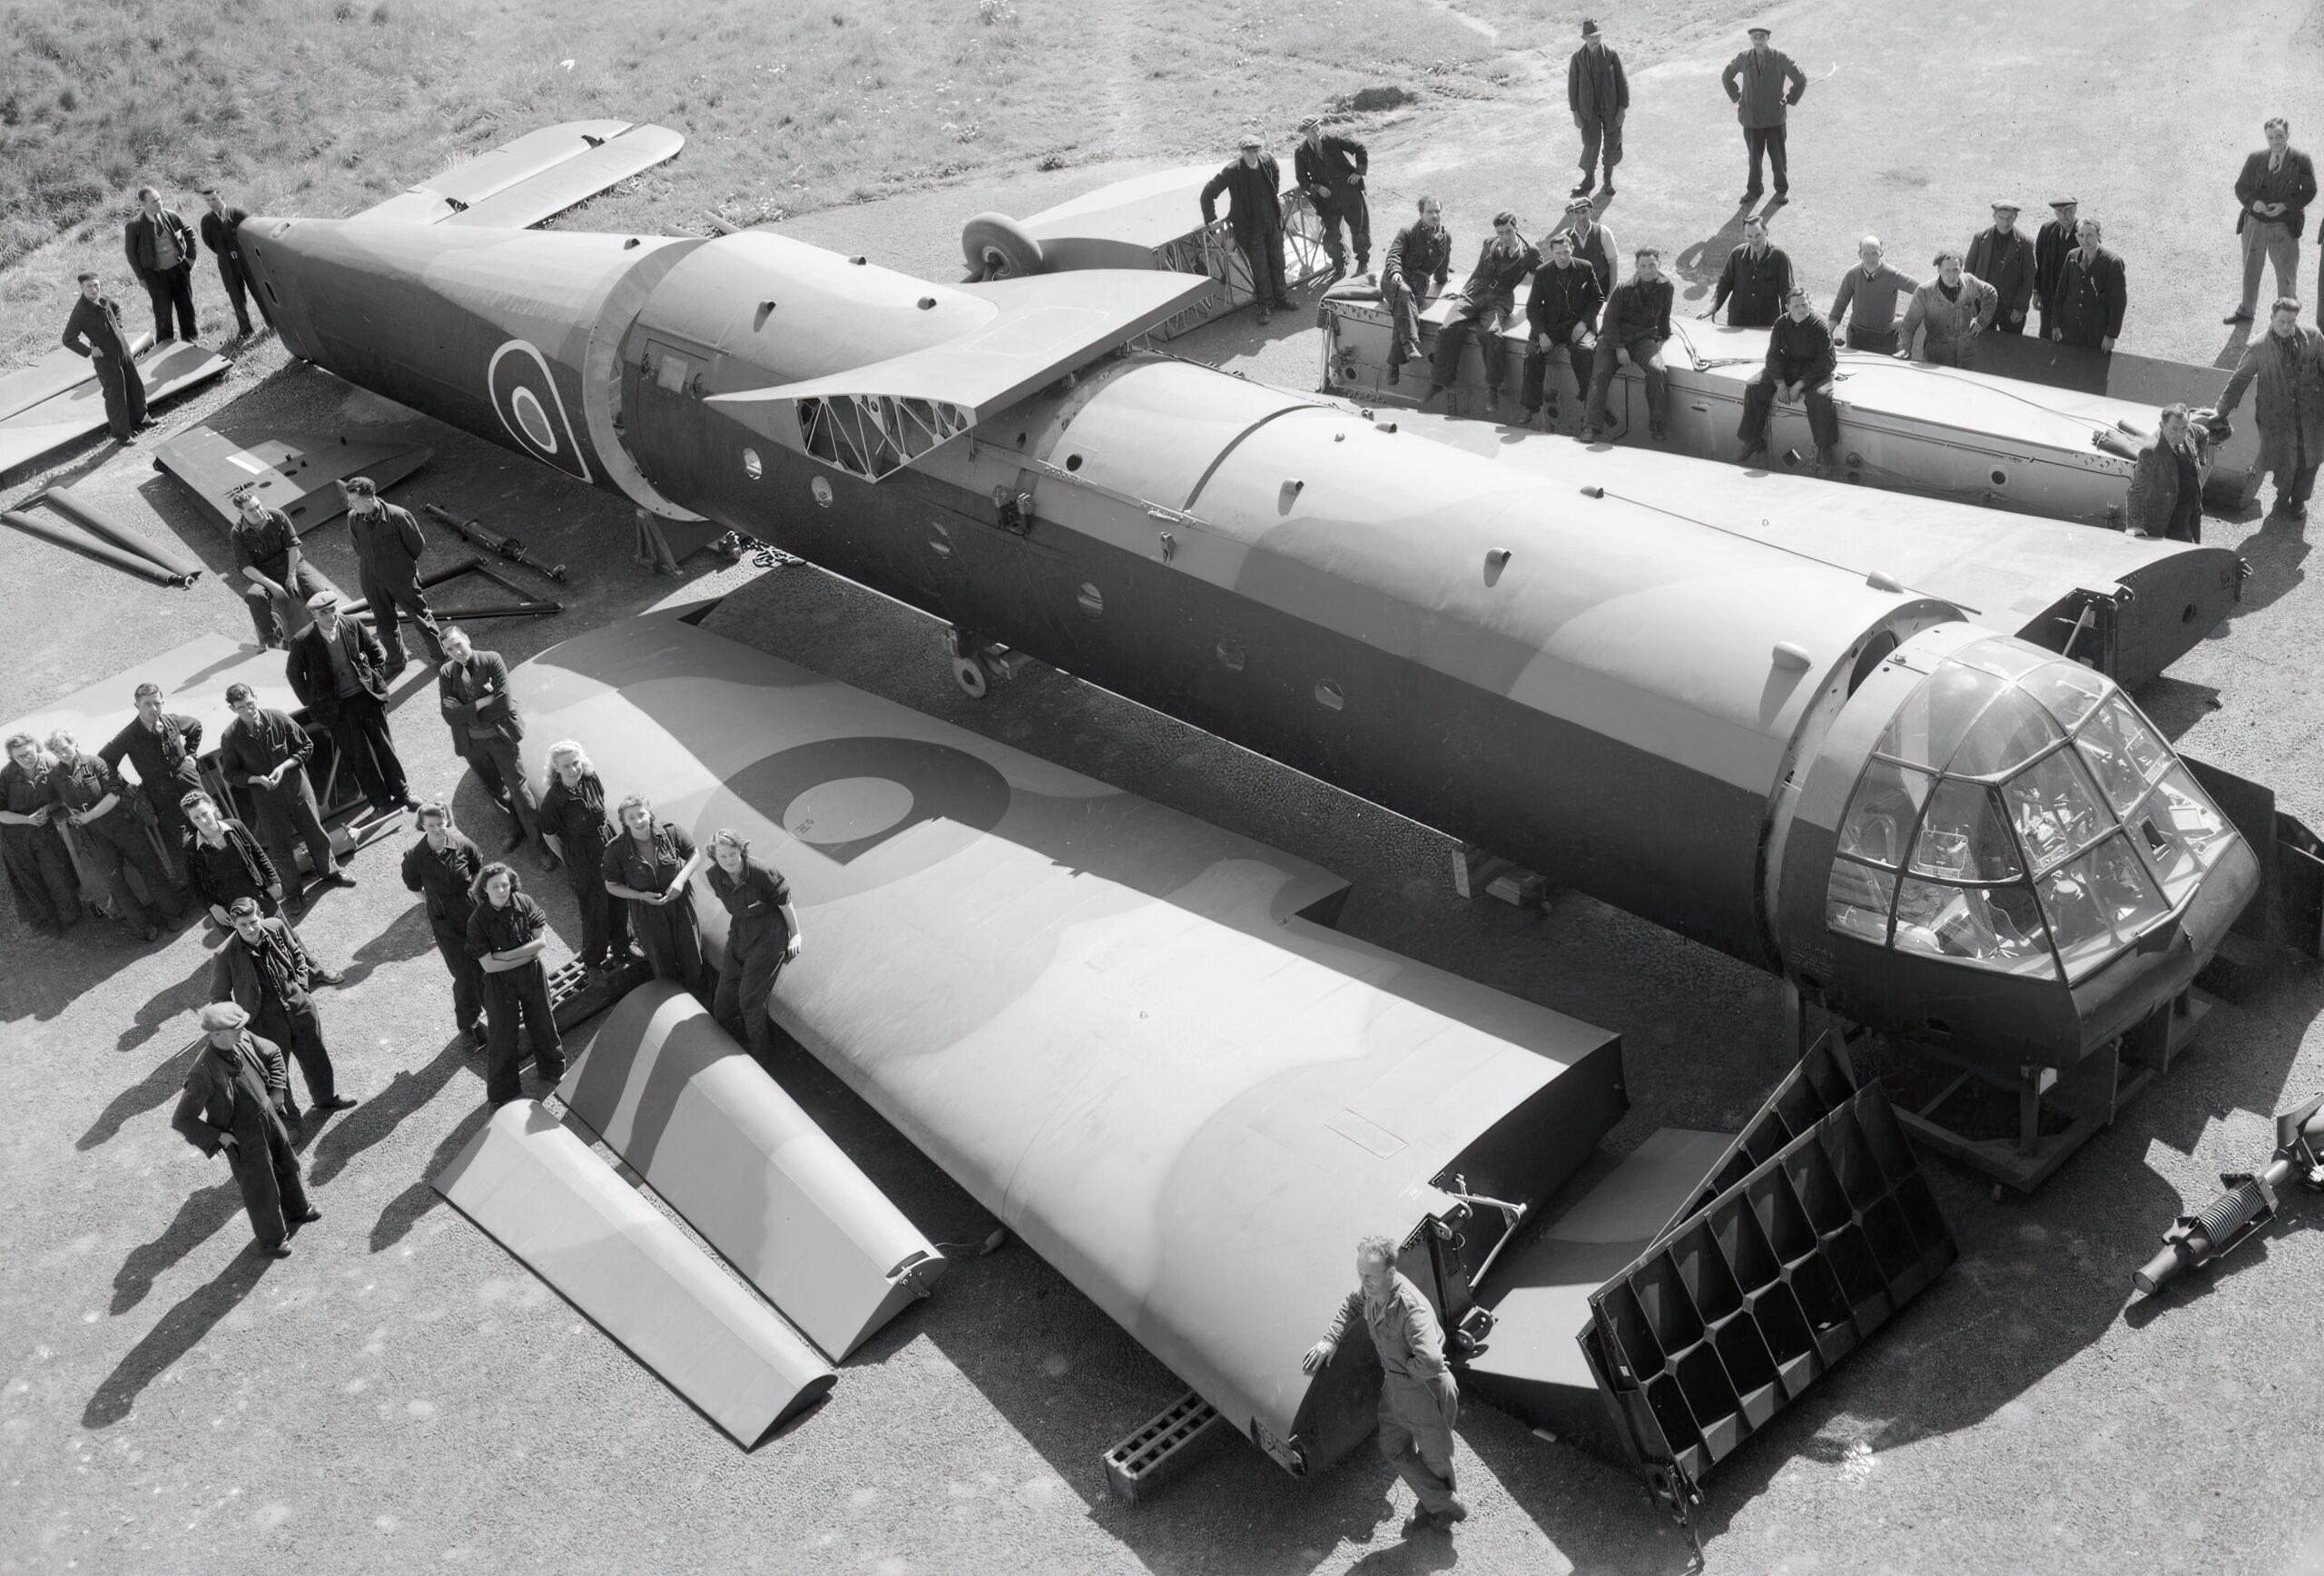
(525, 395)
(844, 798)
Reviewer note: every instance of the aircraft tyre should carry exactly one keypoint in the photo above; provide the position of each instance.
(997, 247)
(973, 677)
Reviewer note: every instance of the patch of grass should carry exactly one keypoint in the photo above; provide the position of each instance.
(324, 106)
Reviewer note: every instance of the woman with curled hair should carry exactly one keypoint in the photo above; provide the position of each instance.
(761, 936)
(507, 931)
(574, 828)
(648, 866)
(39, 866)
(224, 861)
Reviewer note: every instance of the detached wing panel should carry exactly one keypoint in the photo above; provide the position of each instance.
(79, 409)
(541, 1194)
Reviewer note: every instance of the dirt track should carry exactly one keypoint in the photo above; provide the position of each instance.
(401, 1392)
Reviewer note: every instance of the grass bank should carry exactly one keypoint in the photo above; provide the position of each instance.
(321, 106)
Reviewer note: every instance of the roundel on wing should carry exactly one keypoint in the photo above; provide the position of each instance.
(525, 395)
(844, 798)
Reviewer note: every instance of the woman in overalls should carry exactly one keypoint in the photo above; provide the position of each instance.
(762, 935)
(649, 865)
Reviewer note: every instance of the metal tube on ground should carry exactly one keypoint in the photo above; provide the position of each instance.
(95, 521)
(89, 546)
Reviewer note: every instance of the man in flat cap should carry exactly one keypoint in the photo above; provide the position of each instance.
(2003, 259)
(1600, 96)
(1755, 80)
(2051, 244)
(1331, 170)
(340, 673)
(1869, 291)
(2274, 191)
(235, 1095)
(387, 546)
(1593, 243)
(1253, 185)
(1799, 368)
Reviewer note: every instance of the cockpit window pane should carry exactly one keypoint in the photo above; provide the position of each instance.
(2180, 831)
(1992, 927)
(1880, 821)
(1927, 728)
(2098, 903)
(1857, 901)
(1963, 837)
(2008, 732)
(2069, 689)
(2003, 658)
(2123, 753)
(2054, 809)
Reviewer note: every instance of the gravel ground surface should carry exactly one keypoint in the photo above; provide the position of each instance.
(402, 1392)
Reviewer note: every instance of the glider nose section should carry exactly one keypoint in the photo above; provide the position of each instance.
(1996, 849)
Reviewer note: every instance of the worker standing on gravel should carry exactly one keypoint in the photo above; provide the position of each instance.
(1600, 96)
(1756, 281)
(1948, 314)
(2093, 292)
(1253, 185)
(160, 246)
(1755, 80)
(1419, 1399)
(93, 332)
(236, 1092)
(1331, 171)
(387, 546)
(1870, 291)
(2003, 259)
(2286, 363)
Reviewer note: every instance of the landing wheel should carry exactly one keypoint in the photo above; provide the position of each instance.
(970, 673)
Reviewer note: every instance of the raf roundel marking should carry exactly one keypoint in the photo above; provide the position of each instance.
(822, 491)
(525, 397)
(533, 419)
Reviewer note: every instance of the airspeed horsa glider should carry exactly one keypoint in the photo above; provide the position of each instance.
(1927, 825)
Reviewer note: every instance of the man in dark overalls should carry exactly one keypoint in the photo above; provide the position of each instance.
(1253, 187)
(1331, 170)
(94, 331)
(1419, 1400)
(235, 1095)
(164, 747)
(387, 546)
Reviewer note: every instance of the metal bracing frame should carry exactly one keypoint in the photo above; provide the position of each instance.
(1211, 251)
(874, 436)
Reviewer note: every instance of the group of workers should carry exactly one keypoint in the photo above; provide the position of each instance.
(174, 840)
(161, 248)
(1577, 302)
